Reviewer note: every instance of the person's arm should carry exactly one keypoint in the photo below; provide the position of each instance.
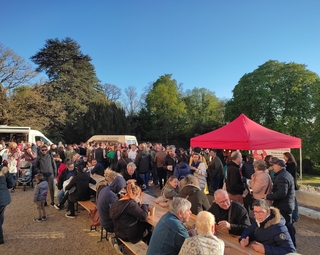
(36, 193)
(240, 221)
(248, 234)
(139, 212)
(282, 246)
(93, 181)
(201, 170)
(71, 183)
(282, 189)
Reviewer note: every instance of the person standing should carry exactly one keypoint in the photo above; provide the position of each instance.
(283, 194)
(235, 186)
(46, 165)
(39, 198)
(159, 159)
(215, 171)
(143, 163)
(6, 181)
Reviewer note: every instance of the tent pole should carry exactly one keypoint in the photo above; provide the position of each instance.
(300, 166)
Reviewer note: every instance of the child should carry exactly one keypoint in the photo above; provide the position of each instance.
(169, 191)
(12, 165)
(40, 195)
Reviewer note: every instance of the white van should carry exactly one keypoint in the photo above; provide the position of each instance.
(128, 139)
(26, 134)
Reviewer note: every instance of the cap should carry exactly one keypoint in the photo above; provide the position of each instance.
(277, 161)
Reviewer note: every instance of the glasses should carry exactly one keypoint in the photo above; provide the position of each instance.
(259, 212)
(224, 201)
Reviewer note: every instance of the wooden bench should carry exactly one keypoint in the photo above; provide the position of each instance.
(89, 206)
(139, 248)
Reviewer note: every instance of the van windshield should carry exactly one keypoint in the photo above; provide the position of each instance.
(41, 138)
(13, 137)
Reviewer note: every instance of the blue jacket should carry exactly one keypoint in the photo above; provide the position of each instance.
(40, 191)
(6, 181)
(283, 193)
(168, 236)
(272, 233)
(106, 198)
(182, 169)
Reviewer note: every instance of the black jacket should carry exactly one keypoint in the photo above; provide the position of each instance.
(237, 216)
(143, 162)
(291, 167)
(283, 194)
(127, 216)
(98, 169)
(234, 182)
(81, 182)
(135, 176)
(122, 163)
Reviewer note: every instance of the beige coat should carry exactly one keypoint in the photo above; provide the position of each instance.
(261, 184)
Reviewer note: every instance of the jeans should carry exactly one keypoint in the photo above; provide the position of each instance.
(14, 176)
(295, 213)
(1, 222)
(60, 195)
(51, 186)
(292, 231)
(145, 177)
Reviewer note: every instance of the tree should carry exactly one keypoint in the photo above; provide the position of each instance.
(205, 111)
(166, 107)
(112, 92)
(14, 72)
(278, 95)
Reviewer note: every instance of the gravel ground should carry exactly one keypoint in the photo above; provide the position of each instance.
(60, 235)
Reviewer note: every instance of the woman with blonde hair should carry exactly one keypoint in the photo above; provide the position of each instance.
(129, 215)
(190, 189)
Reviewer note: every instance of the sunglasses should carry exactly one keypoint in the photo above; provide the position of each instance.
(44, 150)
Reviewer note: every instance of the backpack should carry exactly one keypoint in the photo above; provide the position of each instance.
(94, 217)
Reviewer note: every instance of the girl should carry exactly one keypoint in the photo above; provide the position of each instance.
(40, 195)
(169, 191)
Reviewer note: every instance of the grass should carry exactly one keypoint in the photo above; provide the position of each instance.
(312, 180)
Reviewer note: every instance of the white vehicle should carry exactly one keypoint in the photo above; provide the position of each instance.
(17, 134)
(128, 139)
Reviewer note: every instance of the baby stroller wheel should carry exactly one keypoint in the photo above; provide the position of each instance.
(24, 187)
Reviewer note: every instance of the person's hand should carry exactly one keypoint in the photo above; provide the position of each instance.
(258, 247)
(224, 225)
(244, 242)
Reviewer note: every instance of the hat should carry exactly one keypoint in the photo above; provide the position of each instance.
(277, 161)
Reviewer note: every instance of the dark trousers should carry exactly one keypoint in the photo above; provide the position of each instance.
(1, 222)
(71, 207)
(162, 175)
(155, 178)
(292, 231)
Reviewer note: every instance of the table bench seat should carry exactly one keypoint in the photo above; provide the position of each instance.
(139, 248)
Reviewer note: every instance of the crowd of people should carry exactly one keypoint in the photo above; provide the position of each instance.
(252, 199)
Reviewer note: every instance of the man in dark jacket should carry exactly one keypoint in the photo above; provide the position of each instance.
(229, 214)
(98, 168)
(143, 163)
(170, 160)
(283, 194)
(131, 173)
(46, 165)
(235, 186)
(214, 172)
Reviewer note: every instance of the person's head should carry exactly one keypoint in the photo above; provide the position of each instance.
(190, 180)
(38, 143)
(133, 190)
(39, 177)
(197, 149)
(94, 162)
(173, 181)
(250, 158)
(180, 207)
(267, 160)
(205, 223)
(124, 153)
(29, 145)
(236, 157)
(53, 146)
(5, 163)
(44, 149)
(110, 175)
(131, 167)
(277, 164)
(133, 147)
(288, 157)
(196, 157)
(261, 209)
(11, 157)
(172, 150)
(259, 165)
(70, 165)
(222, 199)
(213, 153)
(75, 156)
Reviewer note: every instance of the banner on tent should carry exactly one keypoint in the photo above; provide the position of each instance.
(261, 154)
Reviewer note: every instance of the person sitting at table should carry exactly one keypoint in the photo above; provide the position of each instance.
(205, 242)
(170, 232)
(98, 168)
(269, 232)
(190, 190)
(107, 196)
(229, 214)
(169, 191)
(129, 215)
(78, 190)
(132, 174)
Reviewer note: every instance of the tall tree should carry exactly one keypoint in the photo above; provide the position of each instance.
(278, 95)
(112, 92)
(165, 106)
(14, 72)
(71, 76)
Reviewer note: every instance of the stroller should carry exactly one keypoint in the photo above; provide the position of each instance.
(25, 173)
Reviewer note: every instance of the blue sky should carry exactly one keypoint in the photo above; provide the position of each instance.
(206, 43)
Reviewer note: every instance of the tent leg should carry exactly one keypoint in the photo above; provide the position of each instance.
(300, 166)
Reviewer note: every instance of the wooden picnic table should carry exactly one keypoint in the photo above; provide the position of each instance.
(97, 178)
(232, 246)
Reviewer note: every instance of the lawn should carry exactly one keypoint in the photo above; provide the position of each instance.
(312, 180)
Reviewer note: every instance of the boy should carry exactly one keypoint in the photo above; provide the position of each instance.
(40, 195)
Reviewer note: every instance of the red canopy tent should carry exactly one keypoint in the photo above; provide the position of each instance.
(245, 134)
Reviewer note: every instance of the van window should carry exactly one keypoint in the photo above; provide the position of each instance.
(131, 142)
(13, 137)
(41, 138)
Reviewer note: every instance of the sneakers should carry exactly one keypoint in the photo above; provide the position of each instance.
(44, 218)
(57, 206)
(37, 220)
(69, 215)
(114, 243)
(52, 204)
(12, 190)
